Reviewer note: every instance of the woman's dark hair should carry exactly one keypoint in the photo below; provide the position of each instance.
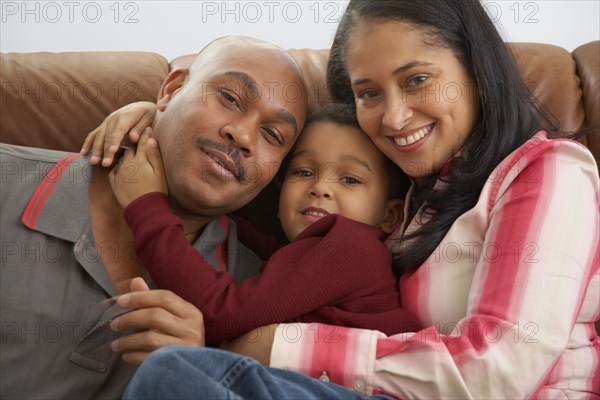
(507, 118)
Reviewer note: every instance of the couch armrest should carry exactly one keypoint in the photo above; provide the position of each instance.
(587, 58)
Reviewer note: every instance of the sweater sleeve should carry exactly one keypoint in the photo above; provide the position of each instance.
(322, 267)
(528, 319)
(262, 245)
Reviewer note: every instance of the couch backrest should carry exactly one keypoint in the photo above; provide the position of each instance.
(53, 100)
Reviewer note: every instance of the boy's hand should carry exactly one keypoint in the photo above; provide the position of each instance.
(104, 141)
(138, 172)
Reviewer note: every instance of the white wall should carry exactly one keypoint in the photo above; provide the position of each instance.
(174, 28)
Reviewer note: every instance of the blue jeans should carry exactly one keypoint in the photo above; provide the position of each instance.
(190, 373)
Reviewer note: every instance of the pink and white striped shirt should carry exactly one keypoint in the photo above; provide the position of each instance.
(508, 298)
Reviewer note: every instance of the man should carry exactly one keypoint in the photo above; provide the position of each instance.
(223, 127)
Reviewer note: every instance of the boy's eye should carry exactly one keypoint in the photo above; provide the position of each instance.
(350, 180)
(303, 172)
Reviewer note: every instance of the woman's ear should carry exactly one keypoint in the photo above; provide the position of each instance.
(394, 213)
(172, 83)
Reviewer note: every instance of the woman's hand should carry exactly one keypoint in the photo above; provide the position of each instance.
(138, 172)
(256, 344)
(104, 141)
(163, 317)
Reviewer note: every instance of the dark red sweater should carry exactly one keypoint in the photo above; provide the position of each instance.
(337, 271)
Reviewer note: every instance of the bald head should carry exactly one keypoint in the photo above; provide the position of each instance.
(238, 40)
(229, 46)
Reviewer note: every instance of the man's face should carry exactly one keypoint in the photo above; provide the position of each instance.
(225, 131)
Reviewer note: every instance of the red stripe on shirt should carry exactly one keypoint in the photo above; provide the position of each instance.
(595, 377)
(336, 360)
(34, 208)
(515, 226)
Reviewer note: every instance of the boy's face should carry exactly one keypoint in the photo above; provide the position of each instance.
(334, 169)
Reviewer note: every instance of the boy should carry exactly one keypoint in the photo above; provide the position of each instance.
(339, 199)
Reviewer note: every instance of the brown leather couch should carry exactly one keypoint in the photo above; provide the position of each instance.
(53, 100)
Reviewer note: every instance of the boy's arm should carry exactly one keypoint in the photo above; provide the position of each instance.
(320, 269)
(383, 318)
(104, 141)
(262, 245)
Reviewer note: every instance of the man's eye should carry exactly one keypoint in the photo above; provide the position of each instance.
(229, 98)
(273, 136)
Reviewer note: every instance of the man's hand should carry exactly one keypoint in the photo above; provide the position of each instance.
(164, 318)
(138, 172)
(256, 344)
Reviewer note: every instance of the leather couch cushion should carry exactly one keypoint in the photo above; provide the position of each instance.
(53, 100)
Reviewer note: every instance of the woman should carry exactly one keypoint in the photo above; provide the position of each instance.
(494, 258)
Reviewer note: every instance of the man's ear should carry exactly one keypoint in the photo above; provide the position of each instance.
(394, 212)
(170, 86)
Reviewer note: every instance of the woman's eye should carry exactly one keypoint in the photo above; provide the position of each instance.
(367, 94)
(416, 81)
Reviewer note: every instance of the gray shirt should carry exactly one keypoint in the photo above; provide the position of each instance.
(56, 298)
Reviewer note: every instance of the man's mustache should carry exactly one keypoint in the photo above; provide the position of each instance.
(232, 152)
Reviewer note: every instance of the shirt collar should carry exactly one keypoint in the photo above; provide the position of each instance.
(60, 205)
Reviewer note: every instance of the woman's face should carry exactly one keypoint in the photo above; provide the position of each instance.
(414, 99)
